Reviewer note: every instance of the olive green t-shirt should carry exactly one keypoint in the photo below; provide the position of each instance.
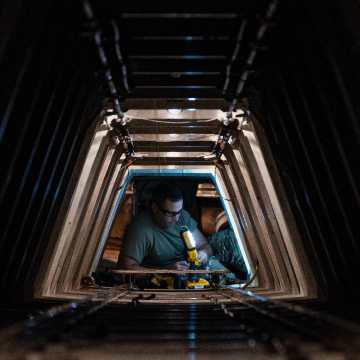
(153, 247)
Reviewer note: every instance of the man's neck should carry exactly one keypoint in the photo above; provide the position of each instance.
(153, 219)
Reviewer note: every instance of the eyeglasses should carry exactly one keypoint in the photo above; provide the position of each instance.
(166, 212)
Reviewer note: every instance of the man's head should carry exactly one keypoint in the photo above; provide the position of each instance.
(166, 204)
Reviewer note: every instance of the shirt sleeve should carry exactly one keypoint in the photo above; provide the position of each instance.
(135, 243)
(189, 221)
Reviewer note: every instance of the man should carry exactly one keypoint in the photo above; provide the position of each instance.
(153, 239)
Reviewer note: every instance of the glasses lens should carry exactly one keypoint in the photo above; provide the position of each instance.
(168, 213)
(171, 214)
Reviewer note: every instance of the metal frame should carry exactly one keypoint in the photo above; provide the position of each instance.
(166, 171)
(254, 211)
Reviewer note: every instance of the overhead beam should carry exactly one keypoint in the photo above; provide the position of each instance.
(174, 7)
(174, 130)
(177, 66)
(178, 94)
(181, 15)
(178, 103)
(173, 161)
(158, 47)
(193, 127)
(176, 146)
(175, 80)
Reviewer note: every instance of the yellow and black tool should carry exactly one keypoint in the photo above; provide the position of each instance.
(194, 281)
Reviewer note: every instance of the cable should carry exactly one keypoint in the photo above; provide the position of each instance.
(128, 174)
(130, 163)
(139, 136)
(215, 183)
(201, 137)
(170, 122)
(160, 121)
(124, 181)
(97, 33)
(118, 53)
(190, 139)
(253, 277)
(207, 120)
(235, 54)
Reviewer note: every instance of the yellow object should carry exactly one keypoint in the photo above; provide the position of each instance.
(188, 238)
(190, 245)
(253, 277)
(198, 282)
(189, 241)
(193, 257)
(168, 278)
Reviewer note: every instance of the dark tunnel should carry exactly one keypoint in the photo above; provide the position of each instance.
(267, 94)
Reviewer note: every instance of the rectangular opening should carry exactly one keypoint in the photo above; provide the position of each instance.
(202, 201)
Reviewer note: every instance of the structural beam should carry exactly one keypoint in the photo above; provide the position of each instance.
(176, 146)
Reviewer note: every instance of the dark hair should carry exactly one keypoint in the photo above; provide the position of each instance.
(166, 190)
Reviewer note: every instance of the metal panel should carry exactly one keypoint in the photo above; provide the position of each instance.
(45, 90)
(312, 126)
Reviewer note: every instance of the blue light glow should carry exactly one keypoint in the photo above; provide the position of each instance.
(191, 109)
(191, 99)
(193, 57)
(192, 336)
(232, 217)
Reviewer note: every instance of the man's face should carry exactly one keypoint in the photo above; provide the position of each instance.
(160, 218)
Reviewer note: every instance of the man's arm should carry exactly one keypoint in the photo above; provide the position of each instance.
(203, 248)
(128, 263)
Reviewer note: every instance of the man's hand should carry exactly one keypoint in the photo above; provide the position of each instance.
(203, 257)
(203, 248)
(180, 265)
